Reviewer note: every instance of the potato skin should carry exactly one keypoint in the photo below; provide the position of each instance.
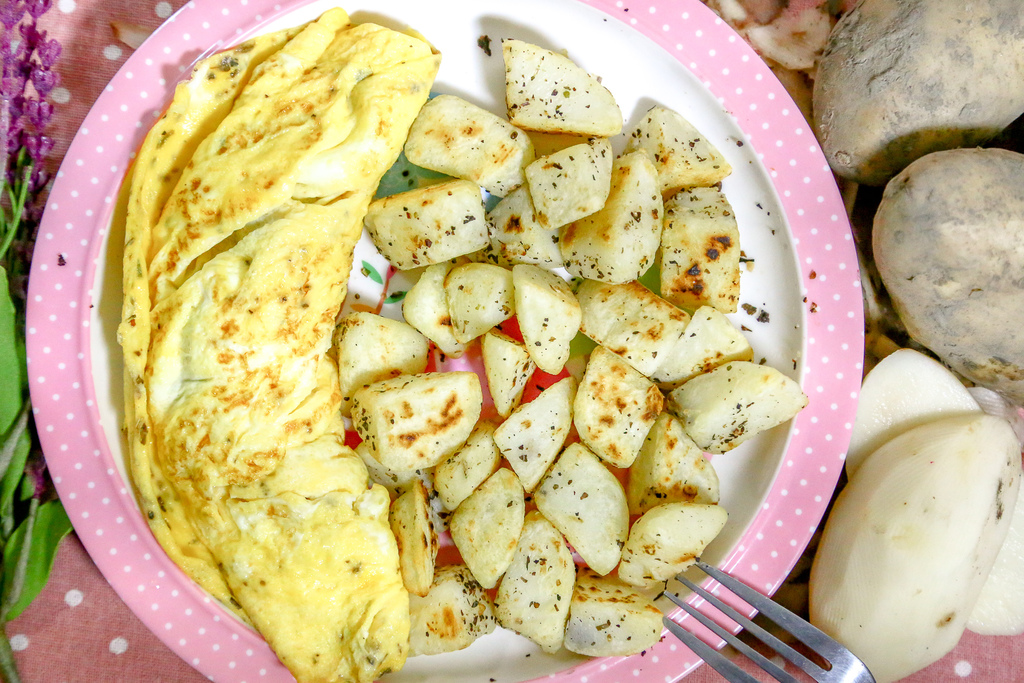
(947, 241)
(902, 78)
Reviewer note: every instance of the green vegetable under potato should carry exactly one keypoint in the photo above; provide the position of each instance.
(902, 78)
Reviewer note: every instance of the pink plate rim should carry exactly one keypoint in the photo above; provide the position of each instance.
(61, 299)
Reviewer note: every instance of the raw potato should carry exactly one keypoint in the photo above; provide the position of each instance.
(911, 539)
(426, 308)
(549, 316)
(508, 367)
(946, 241)
(999, 610)
(457, 138)
(547, 92)
(455, 612)
(417, 541)
(458, 475)
(905, 389)
(414, 422)
(667, 539)
(533, 597)
(682, 156)
(532, 436)
(486, 526)
(900, 79)
(620, 242)
(633, 322)
(670, 469)
(479, 297)
(585, 501)
(615, 407)
(608, 618)
(710, 340)
(734, 402)
(700, 251)
(518, 237)
(429, 225)
(371, 348)
(571, 183)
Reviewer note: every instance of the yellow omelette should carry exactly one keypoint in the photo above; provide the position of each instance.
(246, 201)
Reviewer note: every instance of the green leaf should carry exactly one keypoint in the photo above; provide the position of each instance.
(51, 525)
(395, 297)
(581, 345)
(12, 371)
(15, 473)
(371, 272)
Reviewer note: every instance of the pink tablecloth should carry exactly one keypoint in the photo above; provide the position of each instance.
(78, 629)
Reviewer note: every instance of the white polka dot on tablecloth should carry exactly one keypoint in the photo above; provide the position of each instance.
(67, 6)
(119, 646)
(112, 52)
(60, 95)
(19, 642)
(73, 598)
(963, 668)
(163, 9)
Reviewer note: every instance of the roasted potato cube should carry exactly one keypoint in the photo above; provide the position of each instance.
(608, 618)
(479, 297)
(396, 483)
(429, 225)
(426, 308)
(371, 348)
(486, 526)
(631, 321)
(667, 539)
(570, 183)
(508, 367)
(710, 340)
(682, 156)
(417, 541)
(549, 315)
(413, 422)
(457, 138)
(463, 471)
(723, 408)
(455, 612)
(518, 237)
(533, 597)
(669, 469)
(700, 251)
(535, 432)
(620, 242)
(615, 407)
(548, 92)
(585, 501)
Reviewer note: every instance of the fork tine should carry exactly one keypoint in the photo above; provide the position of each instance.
(768, 665)
(846, 666)
(713, 657)
(763, 605)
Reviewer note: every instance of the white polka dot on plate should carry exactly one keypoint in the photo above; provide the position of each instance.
(119, 646)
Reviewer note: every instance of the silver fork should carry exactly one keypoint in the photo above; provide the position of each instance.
(842, 666)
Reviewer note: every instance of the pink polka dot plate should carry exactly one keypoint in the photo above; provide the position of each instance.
(800, 294)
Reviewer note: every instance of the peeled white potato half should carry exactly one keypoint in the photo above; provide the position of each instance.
(911, 539)
(999, 610)
(906, 389)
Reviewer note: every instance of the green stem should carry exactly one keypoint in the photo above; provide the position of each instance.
(6, 455)
(17, 209)
(8, 667)
(21, 568)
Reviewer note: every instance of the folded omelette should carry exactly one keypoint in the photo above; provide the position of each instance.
(245, 204)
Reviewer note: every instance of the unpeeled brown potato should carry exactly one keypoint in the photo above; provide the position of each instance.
(946, 240)
(902, 78)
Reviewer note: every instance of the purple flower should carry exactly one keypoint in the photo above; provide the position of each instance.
(11, 13)
(39, 112)
(38, 146)
(38, 8)
(44, 81)
(48, 51)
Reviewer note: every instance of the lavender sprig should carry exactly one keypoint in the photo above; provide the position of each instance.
(27, 78)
